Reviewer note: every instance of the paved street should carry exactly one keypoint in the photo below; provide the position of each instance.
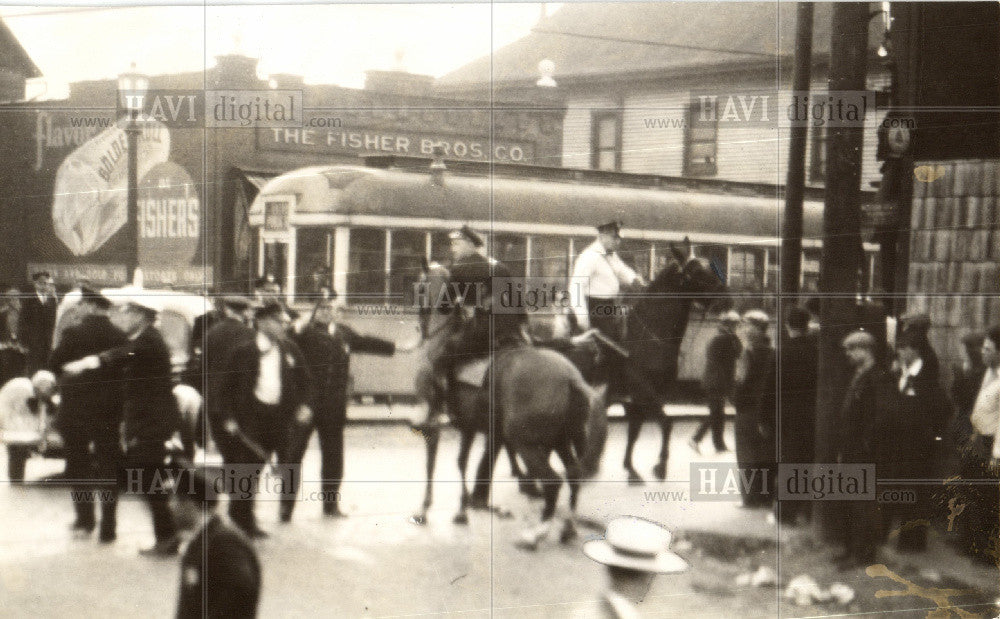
(373, 563)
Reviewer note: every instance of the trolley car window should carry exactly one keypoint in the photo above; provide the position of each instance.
(313, 255)
(406, 254)
(440, 247)
(366, 275)
(511, 250)
(549, 256)
(717, 255)
(635, 253)
(810, 269)
(746, 271)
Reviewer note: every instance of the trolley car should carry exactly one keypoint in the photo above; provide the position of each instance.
(363, 231)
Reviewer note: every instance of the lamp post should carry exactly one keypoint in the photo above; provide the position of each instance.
(132, 87)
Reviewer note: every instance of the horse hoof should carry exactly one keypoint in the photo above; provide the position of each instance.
(660, 471)
(503, 514)
(634, 479)
(525, 544)
(568, 534)
(479, 504)
(529, 488)
(418, 519)
(461, 518)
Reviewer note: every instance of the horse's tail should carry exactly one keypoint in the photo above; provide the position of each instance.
(588, 407)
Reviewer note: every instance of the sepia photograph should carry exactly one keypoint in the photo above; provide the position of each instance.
(601, 309)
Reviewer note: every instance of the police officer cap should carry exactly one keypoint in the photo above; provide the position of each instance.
(236, 302)
(467, 233)
(271, 309)
(89, 295)
(612, 227)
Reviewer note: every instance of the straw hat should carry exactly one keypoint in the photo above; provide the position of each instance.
(635, 544)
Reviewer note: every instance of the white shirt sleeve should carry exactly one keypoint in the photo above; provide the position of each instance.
(622, 271)
(582, 270)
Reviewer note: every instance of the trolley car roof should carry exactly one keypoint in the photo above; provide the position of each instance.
(369, 196)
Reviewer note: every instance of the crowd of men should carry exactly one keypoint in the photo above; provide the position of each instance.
(895, 414)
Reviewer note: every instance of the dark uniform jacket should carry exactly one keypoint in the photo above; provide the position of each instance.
(150, 409)
(749, 393)
(222, 338)
(37, 322)
(920, 414)
(471, 284)
(91, 399)
(720, 363)
(329, 357)
(799, 362)
(220, 574)
(240, 381)
(863, 417)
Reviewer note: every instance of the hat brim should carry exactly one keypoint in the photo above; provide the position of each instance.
(664, 562)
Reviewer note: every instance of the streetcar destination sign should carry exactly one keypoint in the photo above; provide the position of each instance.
(372, 142)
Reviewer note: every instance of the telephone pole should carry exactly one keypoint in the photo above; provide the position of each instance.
(842, 250)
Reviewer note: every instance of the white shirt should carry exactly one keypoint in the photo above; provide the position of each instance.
(910, 372)
(268, 389)
(597, 274)
(985, 415)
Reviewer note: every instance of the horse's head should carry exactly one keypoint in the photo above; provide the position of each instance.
(690, 275)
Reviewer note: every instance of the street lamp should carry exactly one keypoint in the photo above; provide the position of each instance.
(132, 87)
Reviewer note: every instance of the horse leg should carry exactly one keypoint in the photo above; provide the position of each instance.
(431, 438)
(536, 459)
(666, 427)
(484, 474)
(573, 479)
(464, 447)
(525, 485)
(635, 420)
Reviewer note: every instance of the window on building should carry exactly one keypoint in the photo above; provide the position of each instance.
(701, 137)
(810, 269)
(313, 255)
(405, 262)
(817, 154)
(605, 141)
(366, 275)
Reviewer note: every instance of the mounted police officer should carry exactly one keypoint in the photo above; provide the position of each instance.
(603, 274)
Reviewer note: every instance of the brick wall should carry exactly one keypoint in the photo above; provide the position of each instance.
(955, 251)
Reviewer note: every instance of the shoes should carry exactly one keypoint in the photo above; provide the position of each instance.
(722, 450)
(257, 533)
(286, 516)
(164, 548)
(333, 511)
(695, 447)
(108, 534)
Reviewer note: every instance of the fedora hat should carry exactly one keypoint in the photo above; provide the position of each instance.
(635, 544)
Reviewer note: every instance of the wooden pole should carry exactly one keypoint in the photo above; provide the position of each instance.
(842, 253)
(791, 242)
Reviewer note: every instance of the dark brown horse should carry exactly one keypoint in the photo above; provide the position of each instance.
(468, 406)
(655, 328)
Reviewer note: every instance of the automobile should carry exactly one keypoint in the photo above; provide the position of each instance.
(29, 419)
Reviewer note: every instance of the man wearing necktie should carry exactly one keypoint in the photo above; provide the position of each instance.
(983, 453)
(38, 321)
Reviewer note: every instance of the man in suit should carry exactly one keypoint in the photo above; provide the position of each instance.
(266, 390)
(720, 365)
(227, 333)
(220, 571)
(151, 418)
(38, 321)
(798, 367)
(327, 344)
(90, 414)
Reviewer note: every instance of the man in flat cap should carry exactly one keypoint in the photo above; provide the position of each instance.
(90, 414)
(266, 389)
(38, 320)
(151, 416)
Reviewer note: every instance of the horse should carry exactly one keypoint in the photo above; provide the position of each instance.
(655, 327)
(468, 405)
(545, 405)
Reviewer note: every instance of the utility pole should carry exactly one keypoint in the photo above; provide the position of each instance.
(791, 241)
(842, 252)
